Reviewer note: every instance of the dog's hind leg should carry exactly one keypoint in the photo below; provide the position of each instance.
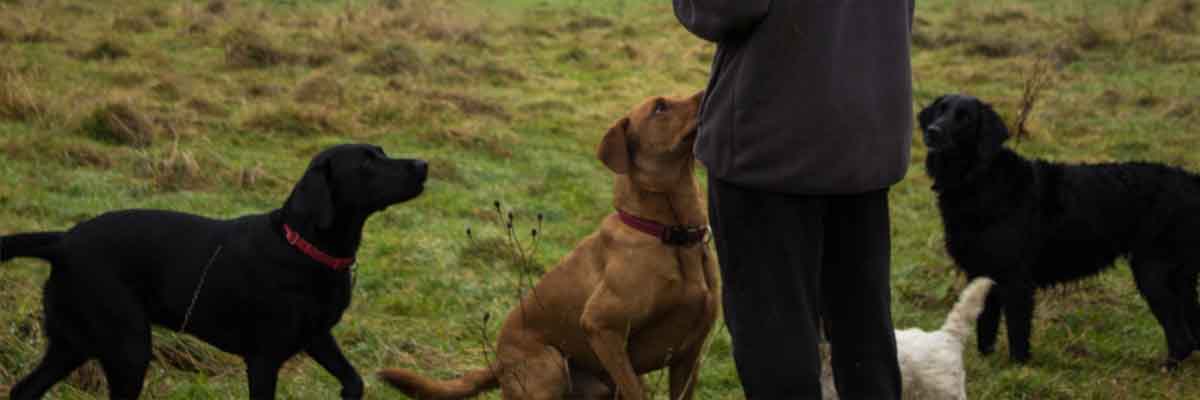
(59, 361)
(112, 322)
(533, 372)
(1153, 282)
(126, 354)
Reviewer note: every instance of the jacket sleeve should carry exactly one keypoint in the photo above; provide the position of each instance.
(912, 10)
(716, 20)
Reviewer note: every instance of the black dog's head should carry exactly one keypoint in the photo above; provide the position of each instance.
(964, 127)
(353, 179)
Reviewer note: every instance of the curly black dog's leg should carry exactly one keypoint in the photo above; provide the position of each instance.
(1153, 281)
(1184, 286)
(1018, 309)
(988, 322)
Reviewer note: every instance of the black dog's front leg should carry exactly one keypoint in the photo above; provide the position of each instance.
(263, 373)
(988, 323)
(1018, 309)
(326, 352)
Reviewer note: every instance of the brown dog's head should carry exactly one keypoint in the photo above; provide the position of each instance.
(653, 144)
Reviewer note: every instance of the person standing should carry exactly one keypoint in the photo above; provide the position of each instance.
(805, 125)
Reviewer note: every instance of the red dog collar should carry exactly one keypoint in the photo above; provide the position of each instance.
(294, 239)
(671, 235)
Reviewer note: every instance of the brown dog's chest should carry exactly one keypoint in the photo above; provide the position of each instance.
(685, 314)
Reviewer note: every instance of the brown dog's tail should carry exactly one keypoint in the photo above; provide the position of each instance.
(422, 388)
(967, 309)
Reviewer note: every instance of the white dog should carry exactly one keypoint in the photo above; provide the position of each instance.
(931, 363)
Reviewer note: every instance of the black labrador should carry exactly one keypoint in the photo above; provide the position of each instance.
(1031, 224)
(264, 286)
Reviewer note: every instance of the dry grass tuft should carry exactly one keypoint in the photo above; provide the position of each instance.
(167, 90)
(88, 378)
(247, 48)
(19, 101)
(320, 90)
(470, 105)
(1184, 108)
(105, 50)
(1175, 16)
(39, 35)
(297, 120)
(262, 90)
(468, 140)
(184, 353)
(497, 74)
(207, 108)
(445, 170)
(995, 45)
(393, 59)
(257, 177)
(133, 24)
(120, 123)
(64, 153)
(588, 22)
(177, 170)
(216, 7)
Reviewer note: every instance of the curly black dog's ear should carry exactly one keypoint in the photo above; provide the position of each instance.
(927, 114)
(991, 133)
(312, 198)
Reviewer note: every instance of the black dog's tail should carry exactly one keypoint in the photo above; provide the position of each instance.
(40, 245)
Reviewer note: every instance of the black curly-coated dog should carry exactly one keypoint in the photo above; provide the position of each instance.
(264, 286)
(1031, 224)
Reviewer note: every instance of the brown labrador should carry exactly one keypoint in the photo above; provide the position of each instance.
(624, 302)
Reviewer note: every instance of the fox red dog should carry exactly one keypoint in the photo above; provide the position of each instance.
(637, 295)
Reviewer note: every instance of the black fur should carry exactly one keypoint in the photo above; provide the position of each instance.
(115, 275)
(1031, 224)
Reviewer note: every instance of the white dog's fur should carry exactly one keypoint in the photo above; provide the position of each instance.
(931, 363)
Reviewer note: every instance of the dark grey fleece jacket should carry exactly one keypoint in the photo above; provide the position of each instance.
(806, 96)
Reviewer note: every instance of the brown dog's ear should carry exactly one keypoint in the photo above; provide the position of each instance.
(614, 148)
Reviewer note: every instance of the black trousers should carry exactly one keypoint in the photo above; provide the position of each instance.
(789, 260)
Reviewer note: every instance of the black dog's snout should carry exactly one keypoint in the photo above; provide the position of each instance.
(935, 137)
(421, 168)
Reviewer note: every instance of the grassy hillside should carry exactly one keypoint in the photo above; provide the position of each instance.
(215, 108)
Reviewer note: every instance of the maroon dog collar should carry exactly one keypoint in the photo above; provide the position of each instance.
(294, 239)
(671, 235)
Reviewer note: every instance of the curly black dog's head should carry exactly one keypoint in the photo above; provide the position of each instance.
(354, 179)
(964, 128)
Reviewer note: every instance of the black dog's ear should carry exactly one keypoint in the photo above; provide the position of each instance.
(991, 133)
(927, 114)
(313, 198)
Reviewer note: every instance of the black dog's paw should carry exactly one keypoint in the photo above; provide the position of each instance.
(1169, 366)
(1020, 357)
(987, 350)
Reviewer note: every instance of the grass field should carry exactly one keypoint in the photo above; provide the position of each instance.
(215, 108)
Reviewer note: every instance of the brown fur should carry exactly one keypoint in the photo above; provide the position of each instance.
(622, 303)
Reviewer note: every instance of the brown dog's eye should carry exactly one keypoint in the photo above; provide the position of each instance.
(660, 106)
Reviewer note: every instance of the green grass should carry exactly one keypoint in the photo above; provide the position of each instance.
(508, 99)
